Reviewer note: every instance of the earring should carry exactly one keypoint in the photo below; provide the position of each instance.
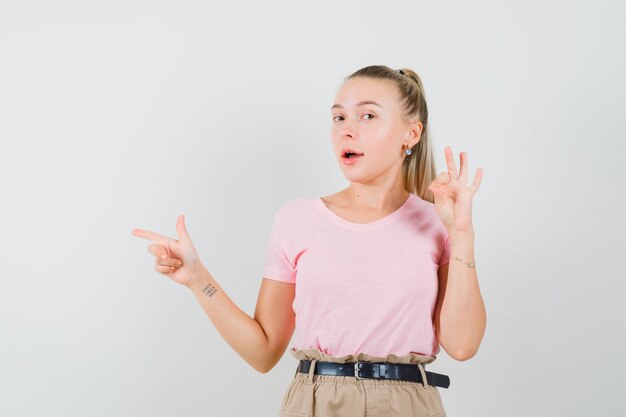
(407, 150)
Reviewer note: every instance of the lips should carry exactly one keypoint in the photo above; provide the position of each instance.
(351, 157)
(350, 153)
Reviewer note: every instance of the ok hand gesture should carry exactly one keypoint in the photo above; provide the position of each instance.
(176, 259)
(453, 198)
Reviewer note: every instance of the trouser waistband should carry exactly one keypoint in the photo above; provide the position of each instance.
(376, 370)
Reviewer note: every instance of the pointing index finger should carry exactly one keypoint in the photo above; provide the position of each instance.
(147, 234)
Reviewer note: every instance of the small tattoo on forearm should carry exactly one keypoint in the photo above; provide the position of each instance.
(209, 290)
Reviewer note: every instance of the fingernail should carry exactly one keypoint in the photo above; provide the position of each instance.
(163, 256)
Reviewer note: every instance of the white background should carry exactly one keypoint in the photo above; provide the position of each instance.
(124, 114)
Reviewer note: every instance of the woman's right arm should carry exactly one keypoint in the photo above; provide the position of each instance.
(260, 340)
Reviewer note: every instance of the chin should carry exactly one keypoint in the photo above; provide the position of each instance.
(352, 177)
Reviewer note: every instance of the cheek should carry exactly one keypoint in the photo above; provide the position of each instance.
(382, 141)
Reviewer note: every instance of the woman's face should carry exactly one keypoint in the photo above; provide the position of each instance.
(367, 118)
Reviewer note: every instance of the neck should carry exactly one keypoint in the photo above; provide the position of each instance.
(375, 199)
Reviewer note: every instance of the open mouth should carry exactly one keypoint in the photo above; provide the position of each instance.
(351, 155)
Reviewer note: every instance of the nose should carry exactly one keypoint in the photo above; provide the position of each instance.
(347, 130)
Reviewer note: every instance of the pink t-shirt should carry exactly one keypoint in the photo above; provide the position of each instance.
(360, 287)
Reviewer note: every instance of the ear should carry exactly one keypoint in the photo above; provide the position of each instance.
(414, 133)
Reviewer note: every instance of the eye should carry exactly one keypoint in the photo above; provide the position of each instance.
(370, 114)
(335, 118)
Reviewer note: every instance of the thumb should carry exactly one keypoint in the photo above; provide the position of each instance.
(437, 193)
(432, 190)
(440, 184)
(181, 229)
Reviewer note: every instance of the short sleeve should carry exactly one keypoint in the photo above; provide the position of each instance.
(277, 264)
(445, 255)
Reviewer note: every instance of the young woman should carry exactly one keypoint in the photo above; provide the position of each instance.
(363, 274)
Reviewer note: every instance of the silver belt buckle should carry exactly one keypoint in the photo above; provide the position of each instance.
(356, 370)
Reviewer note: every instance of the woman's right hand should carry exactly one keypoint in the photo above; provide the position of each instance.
(176, 259)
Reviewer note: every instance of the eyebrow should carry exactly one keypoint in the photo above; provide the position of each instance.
(360, 103)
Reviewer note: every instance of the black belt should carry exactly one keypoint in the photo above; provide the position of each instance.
(375, 370)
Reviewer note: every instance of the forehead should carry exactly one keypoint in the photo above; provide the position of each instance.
(359, 89)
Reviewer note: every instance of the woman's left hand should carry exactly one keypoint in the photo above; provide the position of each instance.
(453, 198)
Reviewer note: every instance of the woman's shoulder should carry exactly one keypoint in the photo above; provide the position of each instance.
(295, 207)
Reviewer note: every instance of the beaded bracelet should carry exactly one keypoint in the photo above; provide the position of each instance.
(469, 264)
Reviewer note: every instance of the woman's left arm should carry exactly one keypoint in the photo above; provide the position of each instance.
(460, 316)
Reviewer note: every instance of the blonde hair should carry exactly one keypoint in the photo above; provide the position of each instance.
(418, 169)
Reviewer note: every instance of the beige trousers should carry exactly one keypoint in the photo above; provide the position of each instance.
(310, 395)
